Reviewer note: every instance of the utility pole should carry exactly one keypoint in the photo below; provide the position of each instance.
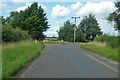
(75, 26)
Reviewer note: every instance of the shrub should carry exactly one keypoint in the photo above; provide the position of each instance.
(112, 41)
(10, 34)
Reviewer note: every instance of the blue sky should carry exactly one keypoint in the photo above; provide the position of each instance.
(59, 12)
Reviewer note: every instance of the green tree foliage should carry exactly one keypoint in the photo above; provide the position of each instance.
(115, 16)
(10, 34)
(66, 31)
(90, 27)
(112, 41)
(2, 20)
(80, 35)
(33, 20)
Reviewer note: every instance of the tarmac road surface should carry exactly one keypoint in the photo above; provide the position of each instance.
(70, 61)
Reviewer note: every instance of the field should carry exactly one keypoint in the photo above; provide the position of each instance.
(101, 49)
(17, 55)
(51, 39)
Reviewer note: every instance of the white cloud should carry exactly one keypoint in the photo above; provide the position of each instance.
(105, 26)
(57, 23)
(44, 7)
(51, 32)
(29, 4)
(24, 7)
(76, 6)
(100, 10)
(5, 8)
(62, 11)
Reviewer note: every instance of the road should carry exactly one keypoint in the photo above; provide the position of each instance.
(70, 61)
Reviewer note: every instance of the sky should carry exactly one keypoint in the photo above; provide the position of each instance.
(62, 10)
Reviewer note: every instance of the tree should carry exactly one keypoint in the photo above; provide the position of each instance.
(115, 16)
(90, 27)
(80, 35)
(66, 31)
(33, 20)
(2, 20)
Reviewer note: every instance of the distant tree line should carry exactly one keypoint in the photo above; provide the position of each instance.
(31, 22)
(87, 30)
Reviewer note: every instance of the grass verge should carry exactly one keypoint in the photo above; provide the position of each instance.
(102, 50)
(56, 42)
(17, 55)
(60, 42)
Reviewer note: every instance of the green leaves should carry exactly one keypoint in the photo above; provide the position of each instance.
(112, 41)
(115, 16)
(10, 34)
(33, 20)
(90, 27)
(66, 31)
(80, 35)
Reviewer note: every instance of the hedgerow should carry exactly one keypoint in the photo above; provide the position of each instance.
(10, 34)
(112, 41)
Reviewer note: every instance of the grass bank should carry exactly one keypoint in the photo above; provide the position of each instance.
(101, 49)
(17, 55)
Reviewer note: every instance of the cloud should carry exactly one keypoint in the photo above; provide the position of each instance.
(100, 10)
(28, 5)
(24, 7)
(44, 7)
(76, 6)
(57, 23)
(51, 32)
(4, 8)
(105, 26)
(61, 11)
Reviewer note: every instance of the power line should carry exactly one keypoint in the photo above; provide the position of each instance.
(75, 26)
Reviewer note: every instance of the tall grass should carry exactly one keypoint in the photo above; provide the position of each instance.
(102, 49)
(16, 55)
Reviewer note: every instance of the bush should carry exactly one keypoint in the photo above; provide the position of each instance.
(112, 41)
(10, 34)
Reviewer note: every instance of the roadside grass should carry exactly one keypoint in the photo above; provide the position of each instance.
(101, 49)
(56, 42)
(60, 42)
(16, 55)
